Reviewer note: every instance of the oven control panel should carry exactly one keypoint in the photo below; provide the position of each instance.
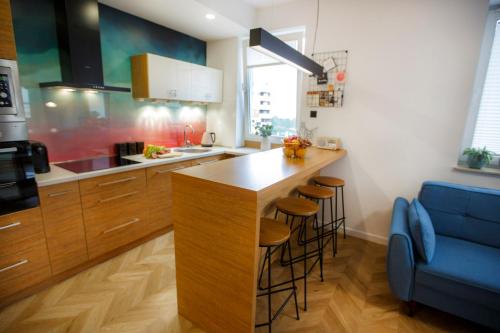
(5, 92)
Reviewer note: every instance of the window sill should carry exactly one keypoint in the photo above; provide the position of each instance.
(483, 171)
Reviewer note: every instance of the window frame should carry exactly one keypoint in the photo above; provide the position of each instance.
(285, 35)
(478, 85)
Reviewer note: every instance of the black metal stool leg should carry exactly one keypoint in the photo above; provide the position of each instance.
(293, 281)
(343, 210)
(304, 221)
(332, 219)
(320, 238)
(269, 313)
(283, 249)
(336, 221)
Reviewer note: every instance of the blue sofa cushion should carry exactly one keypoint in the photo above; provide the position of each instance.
(463, 269)
(421, 230)
(465, 212)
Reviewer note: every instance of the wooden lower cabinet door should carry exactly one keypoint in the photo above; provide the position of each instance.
(160, 209)
(63, 220)
(160, 193)
(24, 268)
(24, 260)
(112, 227)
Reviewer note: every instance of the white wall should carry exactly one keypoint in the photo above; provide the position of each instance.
(410, 73)
(226, 118)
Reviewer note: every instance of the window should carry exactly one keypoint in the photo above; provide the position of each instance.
(272, 91)
(487, 128)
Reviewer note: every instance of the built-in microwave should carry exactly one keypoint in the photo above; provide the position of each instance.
(18, 189)
(12, 120)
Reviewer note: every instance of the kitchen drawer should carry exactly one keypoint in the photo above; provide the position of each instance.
(24, 268)
(104, 235)
(63, 221)
(159, 176)
(55, 197)
(109, 209)
(19, 226)
(110, 198)
(113, 184)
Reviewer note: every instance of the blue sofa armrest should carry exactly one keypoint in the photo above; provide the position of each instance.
(400, 259)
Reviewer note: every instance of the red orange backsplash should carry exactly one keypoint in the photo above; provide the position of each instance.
(98, 139)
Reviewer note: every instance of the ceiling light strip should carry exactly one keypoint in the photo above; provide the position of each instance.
(266, 43)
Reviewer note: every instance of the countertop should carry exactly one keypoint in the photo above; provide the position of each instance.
(259, 171)
(59, 175)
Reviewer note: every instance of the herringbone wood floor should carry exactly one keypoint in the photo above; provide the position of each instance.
(135, 292)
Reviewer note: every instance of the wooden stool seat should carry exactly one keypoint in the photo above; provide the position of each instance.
(273, 232)
(315, 192)
(297, 206)
(329, 181)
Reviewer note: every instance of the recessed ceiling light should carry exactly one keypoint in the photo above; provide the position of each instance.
(50, 104)
(68, 89)
(91, 91)
(210, 16)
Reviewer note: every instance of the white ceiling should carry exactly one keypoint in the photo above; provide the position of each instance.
(267, 3)
(187, 16)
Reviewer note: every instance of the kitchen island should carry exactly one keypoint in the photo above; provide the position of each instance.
(216, 212)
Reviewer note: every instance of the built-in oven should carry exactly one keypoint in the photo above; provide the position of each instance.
(12, 120)
(18, 189)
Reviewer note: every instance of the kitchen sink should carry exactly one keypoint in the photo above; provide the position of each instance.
(193, 150)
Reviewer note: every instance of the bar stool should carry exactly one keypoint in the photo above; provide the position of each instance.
(275, 234)
(304, 209)
(319, 195)
(336, 183)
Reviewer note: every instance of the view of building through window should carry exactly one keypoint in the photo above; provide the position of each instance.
(272, 93)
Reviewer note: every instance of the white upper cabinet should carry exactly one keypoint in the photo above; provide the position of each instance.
(156, 77)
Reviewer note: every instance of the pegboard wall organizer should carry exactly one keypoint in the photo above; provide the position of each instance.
(328, 90)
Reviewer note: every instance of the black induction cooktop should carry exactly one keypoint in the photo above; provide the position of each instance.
(94, 164)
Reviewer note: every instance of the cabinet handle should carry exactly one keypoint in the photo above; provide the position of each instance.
(8, 150)
(12, 225)
(17, 264)
(58, 194)
(5, 185)
(117, 181)
(118, 197)
(121, 225)
(169, 170)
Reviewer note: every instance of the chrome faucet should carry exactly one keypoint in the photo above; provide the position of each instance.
(187, 142)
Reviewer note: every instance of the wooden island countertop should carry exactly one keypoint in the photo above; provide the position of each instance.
(216, 212)
(259, 171)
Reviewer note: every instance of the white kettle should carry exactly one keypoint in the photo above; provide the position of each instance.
(208, 139)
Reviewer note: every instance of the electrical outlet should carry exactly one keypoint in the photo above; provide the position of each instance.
(313, 113)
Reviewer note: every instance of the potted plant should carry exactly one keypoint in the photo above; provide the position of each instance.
(265, 132)
(478, 158)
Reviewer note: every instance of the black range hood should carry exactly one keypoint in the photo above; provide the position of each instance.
(79, 44)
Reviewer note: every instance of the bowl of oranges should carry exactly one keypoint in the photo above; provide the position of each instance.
(295, 146)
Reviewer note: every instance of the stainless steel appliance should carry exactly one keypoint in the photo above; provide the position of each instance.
(12, 121)
(18, 188)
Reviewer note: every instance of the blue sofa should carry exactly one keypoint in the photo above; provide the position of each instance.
(463, 277)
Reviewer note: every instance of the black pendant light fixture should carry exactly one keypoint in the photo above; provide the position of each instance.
(266, 43)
